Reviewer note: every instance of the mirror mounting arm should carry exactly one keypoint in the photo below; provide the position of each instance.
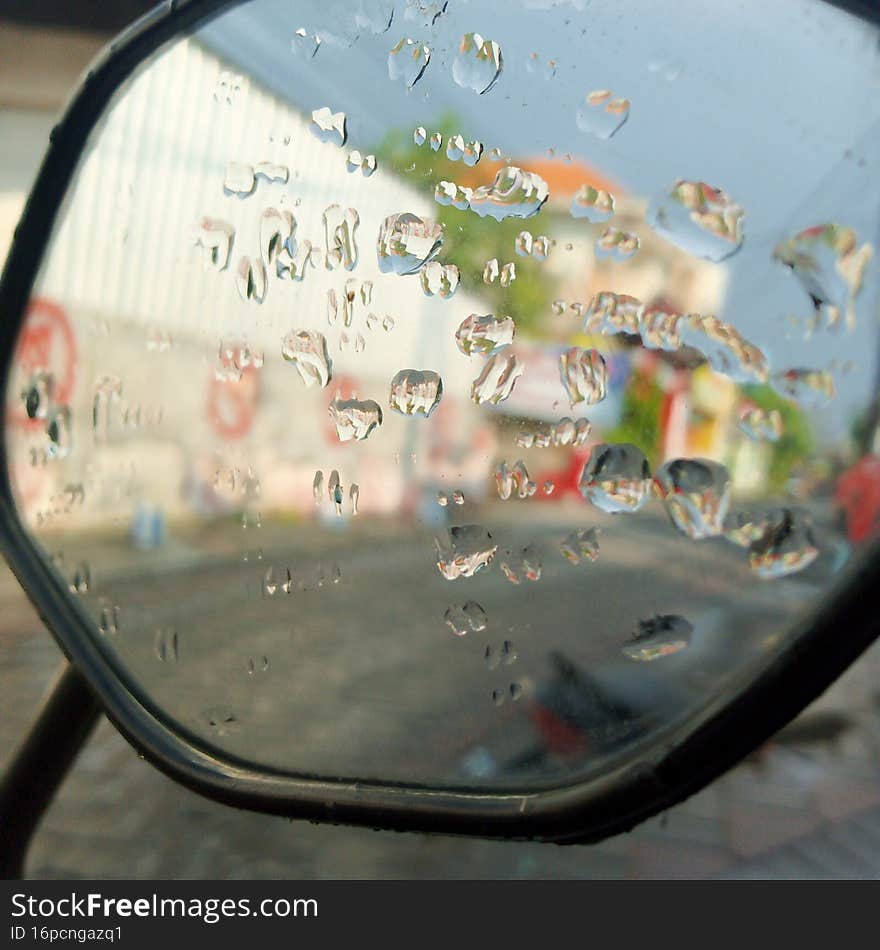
(41, 762)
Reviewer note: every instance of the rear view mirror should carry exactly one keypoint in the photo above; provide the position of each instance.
(438, 419)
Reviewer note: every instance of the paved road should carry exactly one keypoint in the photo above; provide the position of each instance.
(116, 816)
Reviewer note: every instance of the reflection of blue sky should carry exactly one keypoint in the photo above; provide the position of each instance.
(778, 103)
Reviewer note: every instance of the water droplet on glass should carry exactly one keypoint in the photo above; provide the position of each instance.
(307, 350)
(484, 335)
(602, 114)
(761, 424)
(458, 497)
(513, 480)
(477, 64)
(408, 60)
(439, 280)
(541, 247)
(436, 141)
(548, 487)
(830, 266)
(810, 388)
(508, 274)
(329, 126)
(239, 180)
(696, 493)
(523, 243)
(355, 418)
(216, 237)
(521, 565)
(334, 491)
(498, 697)
(464, 551)
(516, 691)
(271, 172)
(250, 279)
(340, 246)
(420, 135)
(659, 636)
(617, 244)
(581, 545)
(454, 147)
(415, 392)
(406, 242)
(616, 478)
(699, 219)
(594, 204)
(318, 487)
(472, 152)
(584, 375)
(725, 348)
(165, 645)
(107, 393)
(277, 230)
(786, 546)
(497, 378)
(388, 323)
(491, 657)
(466, 618)
(354, 494)
(293, 260)
(490, 271)
(59, 430)
(609, 313)
(108, 624)
(305, 44)
(82, 579)
(229, 88)
(660, 330)
(222, 721)
(514, 193)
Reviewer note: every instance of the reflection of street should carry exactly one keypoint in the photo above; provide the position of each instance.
(363, 677)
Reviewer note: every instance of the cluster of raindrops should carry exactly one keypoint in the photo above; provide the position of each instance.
(581, 545)
(230, 86)
(166, 645)
(56, 419)
(584, 375)
(526, 244)
(439, 280)
(234, 357)
(602, 113)
(464, 550)
(108, 621)
(277, 580)
(505, 274)
(658, 637)
(458, 149)
(305, 43)
(698, 218)
(457, 498)
(513, 481)
(564, 432)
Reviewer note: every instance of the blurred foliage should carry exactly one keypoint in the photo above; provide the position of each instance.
(640, 416)
(796, 442)
(470, 241)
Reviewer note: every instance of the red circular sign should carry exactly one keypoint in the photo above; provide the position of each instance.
(46, 344)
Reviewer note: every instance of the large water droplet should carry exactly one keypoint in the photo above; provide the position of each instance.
(617, 244)
(466, 618)
(477, 64)
(415, 392)
(464, 551)
(810, 388)
(699, 219)
(340, 246)
(407, 61)
(239, 180)
(329, 126)
(216, 237)
(406, 242)
(250, 279)
(307, 350)
(761, 424)
(484, 335)
(616, 478)
(609, 313)
(439, 280)
(594, 204)
(786, 547)
(696, 493)
(581, 544)
(725, 348)
(602, 114)
(660, 330)
(830, 266)
(355, 418)
(659, 636)
(514, 193)
(584, 375)
(521, 565)
(497, 378)
(514, 480)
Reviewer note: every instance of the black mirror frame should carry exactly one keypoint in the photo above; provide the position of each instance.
(642, 786)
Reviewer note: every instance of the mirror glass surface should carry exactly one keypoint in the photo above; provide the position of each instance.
(460, 394)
